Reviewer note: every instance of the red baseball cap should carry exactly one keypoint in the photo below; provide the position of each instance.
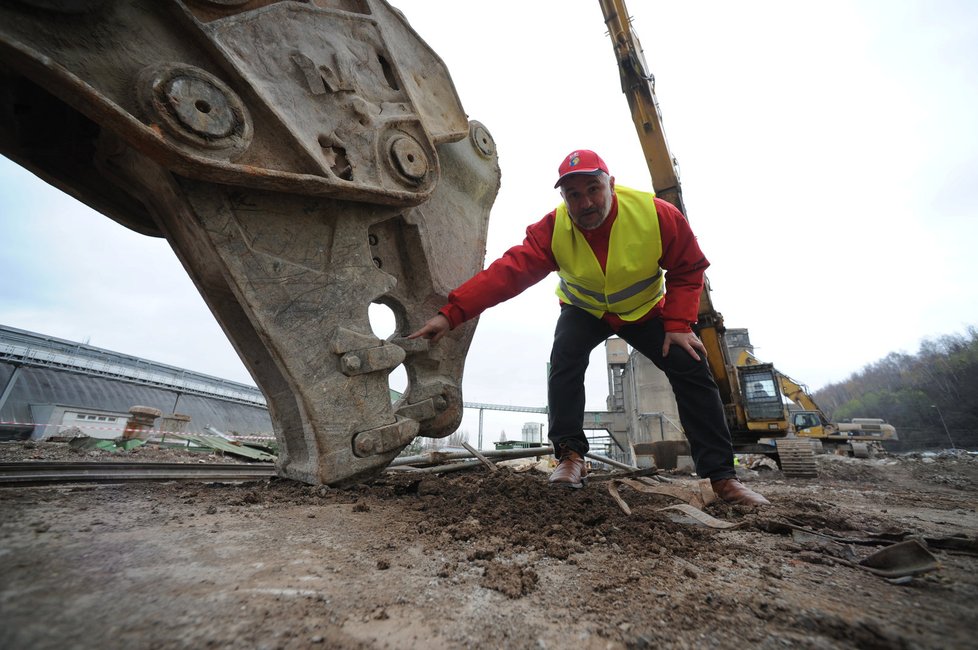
(581, 161)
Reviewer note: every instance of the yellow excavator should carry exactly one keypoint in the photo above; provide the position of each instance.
(752, 414)
(858, 437)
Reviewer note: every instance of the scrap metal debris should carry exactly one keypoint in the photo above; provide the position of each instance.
(699, 496)
(698, 516)
(221, 444)
(113, 445)
(694, 497)
(907, 558)
(897, 562)
(485, 461)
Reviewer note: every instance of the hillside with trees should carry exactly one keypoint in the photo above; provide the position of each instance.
(931, 397)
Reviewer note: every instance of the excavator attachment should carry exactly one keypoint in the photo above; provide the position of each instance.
(304, 160)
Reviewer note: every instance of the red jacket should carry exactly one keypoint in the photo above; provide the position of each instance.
(524, 265)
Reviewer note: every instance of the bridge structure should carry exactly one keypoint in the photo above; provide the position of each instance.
(500, 407)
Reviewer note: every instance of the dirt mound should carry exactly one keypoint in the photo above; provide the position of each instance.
(507, 515)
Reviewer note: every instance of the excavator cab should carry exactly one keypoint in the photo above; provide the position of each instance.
(804, 420)
(762, 400)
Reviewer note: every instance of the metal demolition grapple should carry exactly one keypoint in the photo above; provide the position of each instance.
(304, 160)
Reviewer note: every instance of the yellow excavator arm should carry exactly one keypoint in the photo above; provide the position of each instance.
(798, 393)
(748, 418)
(638, 84)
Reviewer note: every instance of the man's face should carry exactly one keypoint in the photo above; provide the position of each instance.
(588, 198)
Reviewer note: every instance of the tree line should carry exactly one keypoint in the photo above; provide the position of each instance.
(931, 397)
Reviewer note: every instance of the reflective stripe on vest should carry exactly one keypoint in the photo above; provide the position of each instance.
(632, 283)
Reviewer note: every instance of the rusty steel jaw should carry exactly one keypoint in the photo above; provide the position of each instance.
(304, 162)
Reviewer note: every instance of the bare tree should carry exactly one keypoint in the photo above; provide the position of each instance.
(457, 438)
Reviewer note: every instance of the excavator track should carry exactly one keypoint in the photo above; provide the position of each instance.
(796, 456)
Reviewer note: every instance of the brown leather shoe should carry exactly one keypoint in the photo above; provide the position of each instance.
(733, 491)
(571, 472)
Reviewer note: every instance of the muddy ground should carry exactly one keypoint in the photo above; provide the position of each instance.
(484, 560)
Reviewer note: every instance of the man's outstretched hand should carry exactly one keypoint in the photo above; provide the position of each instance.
(433, 329)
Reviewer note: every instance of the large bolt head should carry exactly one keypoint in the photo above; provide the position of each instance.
(200, 106)
(365, 445)
(351, 364)
(195, 108)
(483, 141)
(409, 158)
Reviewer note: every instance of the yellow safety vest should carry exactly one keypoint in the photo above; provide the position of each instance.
(632, 283)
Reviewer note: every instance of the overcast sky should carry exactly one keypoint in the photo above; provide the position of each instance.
(828, 153)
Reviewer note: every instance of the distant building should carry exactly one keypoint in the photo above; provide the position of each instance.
(532, 432)
(51, 386)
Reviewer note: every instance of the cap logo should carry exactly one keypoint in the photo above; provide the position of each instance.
(575, 160)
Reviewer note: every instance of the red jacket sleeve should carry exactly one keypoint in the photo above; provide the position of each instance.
(685, 266)
(518, 269)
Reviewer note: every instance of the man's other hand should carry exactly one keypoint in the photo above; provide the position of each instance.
(687, 341)
(433, 329)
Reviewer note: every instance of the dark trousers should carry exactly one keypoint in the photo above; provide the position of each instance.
(700, 407)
